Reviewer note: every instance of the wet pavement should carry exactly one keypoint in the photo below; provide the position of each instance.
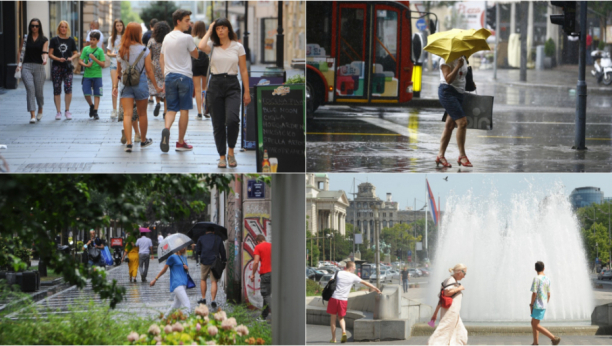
(533, 130)
(140, 299)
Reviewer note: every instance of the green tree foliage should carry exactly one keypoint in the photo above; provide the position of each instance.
(37, 207)
(400, 236)
(595, 221)
(162, 10)
(314, 254)
(127, 14)
(603, 10)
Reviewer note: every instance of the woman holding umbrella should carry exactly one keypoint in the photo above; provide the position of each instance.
(131, 250)
(174, 248)
(454, 47)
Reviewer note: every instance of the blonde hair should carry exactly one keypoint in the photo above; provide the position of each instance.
(459, 267)
(67, 26)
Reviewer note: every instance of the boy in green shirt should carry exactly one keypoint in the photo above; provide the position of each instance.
(92, 59)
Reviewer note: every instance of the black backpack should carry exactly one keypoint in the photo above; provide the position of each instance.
(330, 288)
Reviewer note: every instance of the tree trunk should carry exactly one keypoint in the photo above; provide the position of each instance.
(524, 10)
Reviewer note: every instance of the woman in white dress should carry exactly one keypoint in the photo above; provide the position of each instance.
(451, 330)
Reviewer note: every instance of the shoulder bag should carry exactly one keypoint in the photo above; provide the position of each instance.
(23, 48)
(330, 288)
(131, 76)
(446, 301)
(190, 282)
(218, 265)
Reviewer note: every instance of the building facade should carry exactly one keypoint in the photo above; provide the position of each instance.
(325, 209)
(585, 196)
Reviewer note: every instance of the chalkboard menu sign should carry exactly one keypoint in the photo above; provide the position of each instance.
(281, 124)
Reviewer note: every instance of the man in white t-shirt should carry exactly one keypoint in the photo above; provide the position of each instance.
(339, 300)
(95, 26)
(175, 60)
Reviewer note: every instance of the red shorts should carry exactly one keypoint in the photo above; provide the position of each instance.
(337, 307)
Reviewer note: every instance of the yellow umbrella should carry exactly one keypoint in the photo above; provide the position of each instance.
(455, 43)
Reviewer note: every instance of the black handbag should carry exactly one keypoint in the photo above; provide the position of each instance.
(218, 265)
(94, 253)
(469, 80)
(190, 282)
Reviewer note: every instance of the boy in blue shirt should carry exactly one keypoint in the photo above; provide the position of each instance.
(178, 279)
(92, 59)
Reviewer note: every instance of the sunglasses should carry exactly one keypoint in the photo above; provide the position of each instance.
(464, 273)
(35, 26)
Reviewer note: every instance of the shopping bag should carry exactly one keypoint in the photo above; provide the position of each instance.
(479, 111)
(106, 255)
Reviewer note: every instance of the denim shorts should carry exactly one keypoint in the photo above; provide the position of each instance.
(113, 64)
(179, 92)
(538, 314)
(92, 86)
(138, 93)
(451, 100)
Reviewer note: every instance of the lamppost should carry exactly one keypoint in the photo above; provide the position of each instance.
(377, 241)
(330, 246)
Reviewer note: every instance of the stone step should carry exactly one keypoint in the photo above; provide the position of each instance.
(422, 329)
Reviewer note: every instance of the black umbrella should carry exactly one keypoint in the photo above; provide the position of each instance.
(200, 228)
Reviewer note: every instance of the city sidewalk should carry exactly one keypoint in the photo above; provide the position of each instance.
(87, 145)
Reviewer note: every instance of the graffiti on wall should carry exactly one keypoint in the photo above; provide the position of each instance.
(254, 225)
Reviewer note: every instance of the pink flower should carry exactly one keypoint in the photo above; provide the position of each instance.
(168, 329)
(133, 336)
(220, 316)
(242, 330)
(194, 343)
(228, 324)
(158, 343)
(177, 327)
(202, 310)
(210, 342)
(157, 338)
(181, 343)
(143, 336)
(154, 329)
(212, 330)
(198, 327)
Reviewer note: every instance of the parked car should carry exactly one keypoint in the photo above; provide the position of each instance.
(413, 273)
(325, 279)
(424, 271)
(395, 275)
(330, 269)
(314, 274)
(605, 275)
(419, 272)
(384, 276)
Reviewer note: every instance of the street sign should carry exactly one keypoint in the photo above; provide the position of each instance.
(256, 189)
(419, 246)
(420, 24)
(409, 258)
(358, 238)
(409, 252)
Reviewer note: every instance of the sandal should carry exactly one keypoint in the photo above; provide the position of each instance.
(441, 160)
(222, 164)
(232, 161)
(467, 162)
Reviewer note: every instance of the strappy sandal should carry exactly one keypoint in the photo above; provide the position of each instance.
(232, 161)
(222, 164)
(441, 160)
(467, 162)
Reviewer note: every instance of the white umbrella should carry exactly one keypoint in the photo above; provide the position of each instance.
(172, 244)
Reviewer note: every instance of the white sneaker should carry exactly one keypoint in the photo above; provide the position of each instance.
(39, 116)
(114, 114)
(137, 139)
(58, 116)
(32, 120)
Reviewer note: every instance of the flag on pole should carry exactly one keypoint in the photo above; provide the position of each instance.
(435, 214)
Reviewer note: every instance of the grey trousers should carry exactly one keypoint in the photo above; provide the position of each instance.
(34, 77)
(265, 288)
(143, 264)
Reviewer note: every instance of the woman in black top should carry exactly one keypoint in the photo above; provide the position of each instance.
(33, 71)
(62, 50)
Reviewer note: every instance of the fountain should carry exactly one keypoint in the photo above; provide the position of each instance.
(500, 245)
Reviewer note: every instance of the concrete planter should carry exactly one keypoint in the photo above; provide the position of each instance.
(548, 62)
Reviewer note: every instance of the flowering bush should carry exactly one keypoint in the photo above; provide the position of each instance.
(201, 328)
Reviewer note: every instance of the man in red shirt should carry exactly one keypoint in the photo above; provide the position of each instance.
(263, 254)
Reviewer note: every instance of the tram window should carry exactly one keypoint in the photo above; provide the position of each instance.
(318, 28)
(385, 78)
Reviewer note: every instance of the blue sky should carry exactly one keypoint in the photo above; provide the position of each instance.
(406, 187)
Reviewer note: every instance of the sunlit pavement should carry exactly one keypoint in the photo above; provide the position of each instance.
(533, 130)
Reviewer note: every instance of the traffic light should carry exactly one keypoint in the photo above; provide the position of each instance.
(568, 18)
(491, 17)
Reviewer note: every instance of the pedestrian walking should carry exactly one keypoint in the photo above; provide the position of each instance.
(112, 49)
(62, 50)
(223, 94)
(145, 40)
(540, 297)
(178, 280)
(199, 67)
(92, 59)
(32, 69)
(451, 330)
(145, 249)
(176, 53)
(134, 58)
(94, 249)
(210, 247)
(160, 30)
(405, 275)
(94, 26)
(263, 254)
(132, 252)
(450, 93)
(160, 237)
(338, 302)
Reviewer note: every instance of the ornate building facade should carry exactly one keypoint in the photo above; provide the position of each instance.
(324, 208)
